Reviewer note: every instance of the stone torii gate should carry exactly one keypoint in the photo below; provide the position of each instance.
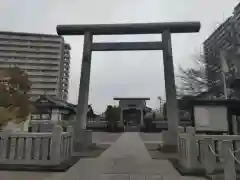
(170, 140)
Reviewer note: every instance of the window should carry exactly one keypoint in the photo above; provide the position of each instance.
(35, 117)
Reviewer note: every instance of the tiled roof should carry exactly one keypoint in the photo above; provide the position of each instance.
(58, 102)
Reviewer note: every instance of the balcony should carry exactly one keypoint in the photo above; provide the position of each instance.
(65, 75)
(66, 61)
(37, 73)
(42, 92)
(30, 49)
(31, 38)
(67, 56)
(29, 62)
(45, 86)
(66, 66)
(49, 80)
(66, 50)
(28, 55)
(65, 80)
(65, 87)
(27, 43)
(31, 67)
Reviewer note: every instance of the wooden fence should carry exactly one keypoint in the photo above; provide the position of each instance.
(209, 152)
(49, 148)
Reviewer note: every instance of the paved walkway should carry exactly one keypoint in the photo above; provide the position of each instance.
(126, 159)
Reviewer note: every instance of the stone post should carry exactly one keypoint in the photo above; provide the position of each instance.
(170, 139)
(4, 144)
(83, 93)
(228, 161)
(180, 146)
(55, 152)
(70, 130)
(209, 159)
(191, 146)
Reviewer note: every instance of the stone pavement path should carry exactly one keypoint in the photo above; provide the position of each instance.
(126, 159)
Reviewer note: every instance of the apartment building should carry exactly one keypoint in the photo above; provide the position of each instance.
(45, 58)
(225, 39)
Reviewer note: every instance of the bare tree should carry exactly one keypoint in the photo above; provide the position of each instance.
(194, 80)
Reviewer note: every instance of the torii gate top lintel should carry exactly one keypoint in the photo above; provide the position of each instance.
(134, 28)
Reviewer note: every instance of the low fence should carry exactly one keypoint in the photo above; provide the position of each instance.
(36, 148)
(210, 153)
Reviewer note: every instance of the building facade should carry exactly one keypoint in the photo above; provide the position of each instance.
(225, 39)
(132, 111)
(45, 58)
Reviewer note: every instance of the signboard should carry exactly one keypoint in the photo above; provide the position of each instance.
(203, 117)
(211, 118)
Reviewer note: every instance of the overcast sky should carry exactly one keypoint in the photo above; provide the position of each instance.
(121, 74)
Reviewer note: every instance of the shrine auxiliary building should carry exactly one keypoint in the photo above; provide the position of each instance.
(132, 110)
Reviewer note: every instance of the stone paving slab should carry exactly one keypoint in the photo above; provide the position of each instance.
(126, 159)
(128, 145)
